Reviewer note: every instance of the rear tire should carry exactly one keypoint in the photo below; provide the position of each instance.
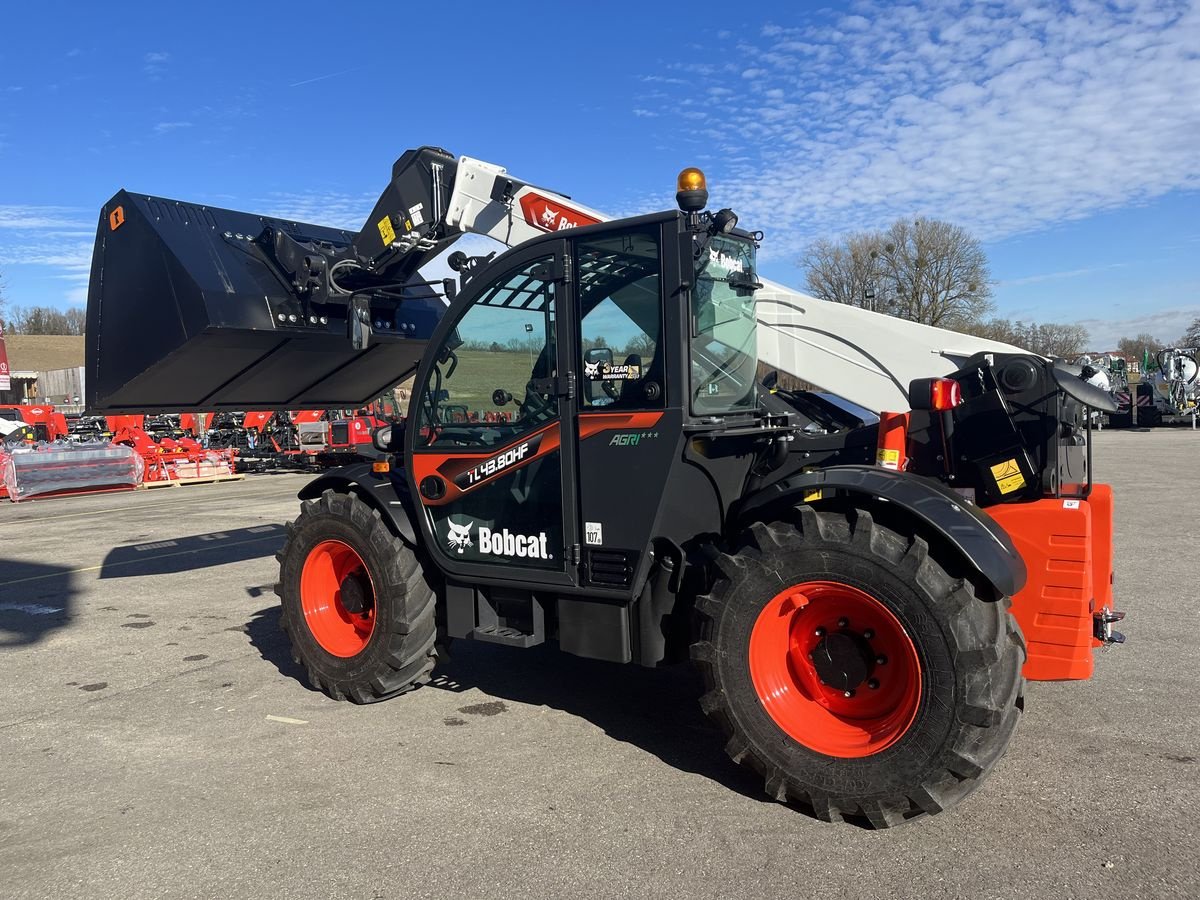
(918, 731)
(356, 605)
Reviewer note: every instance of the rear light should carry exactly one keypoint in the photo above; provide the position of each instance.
(381, 467)
(944, 394)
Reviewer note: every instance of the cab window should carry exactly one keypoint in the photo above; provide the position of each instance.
(484, 387)
(619, 291)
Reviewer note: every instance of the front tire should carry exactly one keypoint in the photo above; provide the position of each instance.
(850, 668)
(356, 605)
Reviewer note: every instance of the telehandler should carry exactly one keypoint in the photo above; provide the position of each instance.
(590, 457)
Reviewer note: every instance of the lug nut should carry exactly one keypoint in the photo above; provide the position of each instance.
(881, 660)
(848, 694)
(873, 684)
(819, 632)
(868, 634)
(843, 622)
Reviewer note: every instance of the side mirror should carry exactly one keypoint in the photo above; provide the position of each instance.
(598, 355)
(389, 438)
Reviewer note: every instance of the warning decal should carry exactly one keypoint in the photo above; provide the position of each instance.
(1008, 476)
(386, 231)
(888, 458)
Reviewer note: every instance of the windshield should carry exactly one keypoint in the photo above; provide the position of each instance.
(724, 341)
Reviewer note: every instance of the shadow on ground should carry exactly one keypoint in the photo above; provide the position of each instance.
(655, 709)
(269, 640)
(35, 600)
(198, 551)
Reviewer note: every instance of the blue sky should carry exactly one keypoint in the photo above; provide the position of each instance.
(1066, 137)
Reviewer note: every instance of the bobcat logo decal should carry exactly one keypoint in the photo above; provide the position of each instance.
(460, 536)
(591, 370)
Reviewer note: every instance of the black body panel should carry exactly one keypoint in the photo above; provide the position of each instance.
(972, 532)
(185, 307)
(377, 490)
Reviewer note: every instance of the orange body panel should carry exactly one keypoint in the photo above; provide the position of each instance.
(1067, 548)
(892, 449)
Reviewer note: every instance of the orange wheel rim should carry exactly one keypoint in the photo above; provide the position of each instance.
(338, 598)
(834, 668)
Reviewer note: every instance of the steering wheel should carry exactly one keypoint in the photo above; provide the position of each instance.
(466, 436)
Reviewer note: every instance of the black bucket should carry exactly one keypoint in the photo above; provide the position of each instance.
(187, 310)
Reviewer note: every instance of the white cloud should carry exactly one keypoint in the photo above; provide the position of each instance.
(998, 117)
(154, 63)
(35, 217)
(337, 210)
(1167, 325)
(1059, 276)
(57, 238)
(164, 127)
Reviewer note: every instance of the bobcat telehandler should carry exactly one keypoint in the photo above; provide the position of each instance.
(862, 599)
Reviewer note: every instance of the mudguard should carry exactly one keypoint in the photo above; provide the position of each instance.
(376, 489)
(980, 540)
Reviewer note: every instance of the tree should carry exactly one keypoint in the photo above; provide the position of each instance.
(845, 272)
(641, 344)
(1143, 347)
(1191, 337)
(925, 270)
(45, 320)
(1046, 339)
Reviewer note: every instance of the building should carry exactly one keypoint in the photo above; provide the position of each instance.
(29, 355)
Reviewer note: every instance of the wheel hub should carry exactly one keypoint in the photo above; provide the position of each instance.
(355, 593)
(337, 598)
(835, 669)
(843, 660)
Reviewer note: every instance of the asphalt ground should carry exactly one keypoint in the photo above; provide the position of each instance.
(157, 741)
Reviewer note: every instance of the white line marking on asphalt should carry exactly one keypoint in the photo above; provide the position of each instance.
(286, 721)
(108, 511)
(33, 609)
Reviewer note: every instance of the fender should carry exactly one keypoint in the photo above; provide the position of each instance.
(971, 531)
(377, 490)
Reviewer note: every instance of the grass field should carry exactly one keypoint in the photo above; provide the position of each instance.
(480, 372)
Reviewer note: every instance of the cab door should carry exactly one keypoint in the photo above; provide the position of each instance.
(488, 462)
(628, 424)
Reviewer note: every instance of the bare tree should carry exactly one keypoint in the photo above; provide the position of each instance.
(76, 318)
(1191, 337)
(846, 271)
(1144, 344)
(939, 270)
(1046, 339)
(923, 269)
(45, 320)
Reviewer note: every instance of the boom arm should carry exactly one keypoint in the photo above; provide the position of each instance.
(196, 307)
(869, 358)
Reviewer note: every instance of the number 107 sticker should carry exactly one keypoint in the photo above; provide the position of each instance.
(593, 533)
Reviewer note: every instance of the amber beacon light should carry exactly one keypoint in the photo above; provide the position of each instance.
(691, 190)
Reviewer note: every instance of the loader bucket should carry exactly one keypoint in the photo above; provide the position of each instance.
(188, 310)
